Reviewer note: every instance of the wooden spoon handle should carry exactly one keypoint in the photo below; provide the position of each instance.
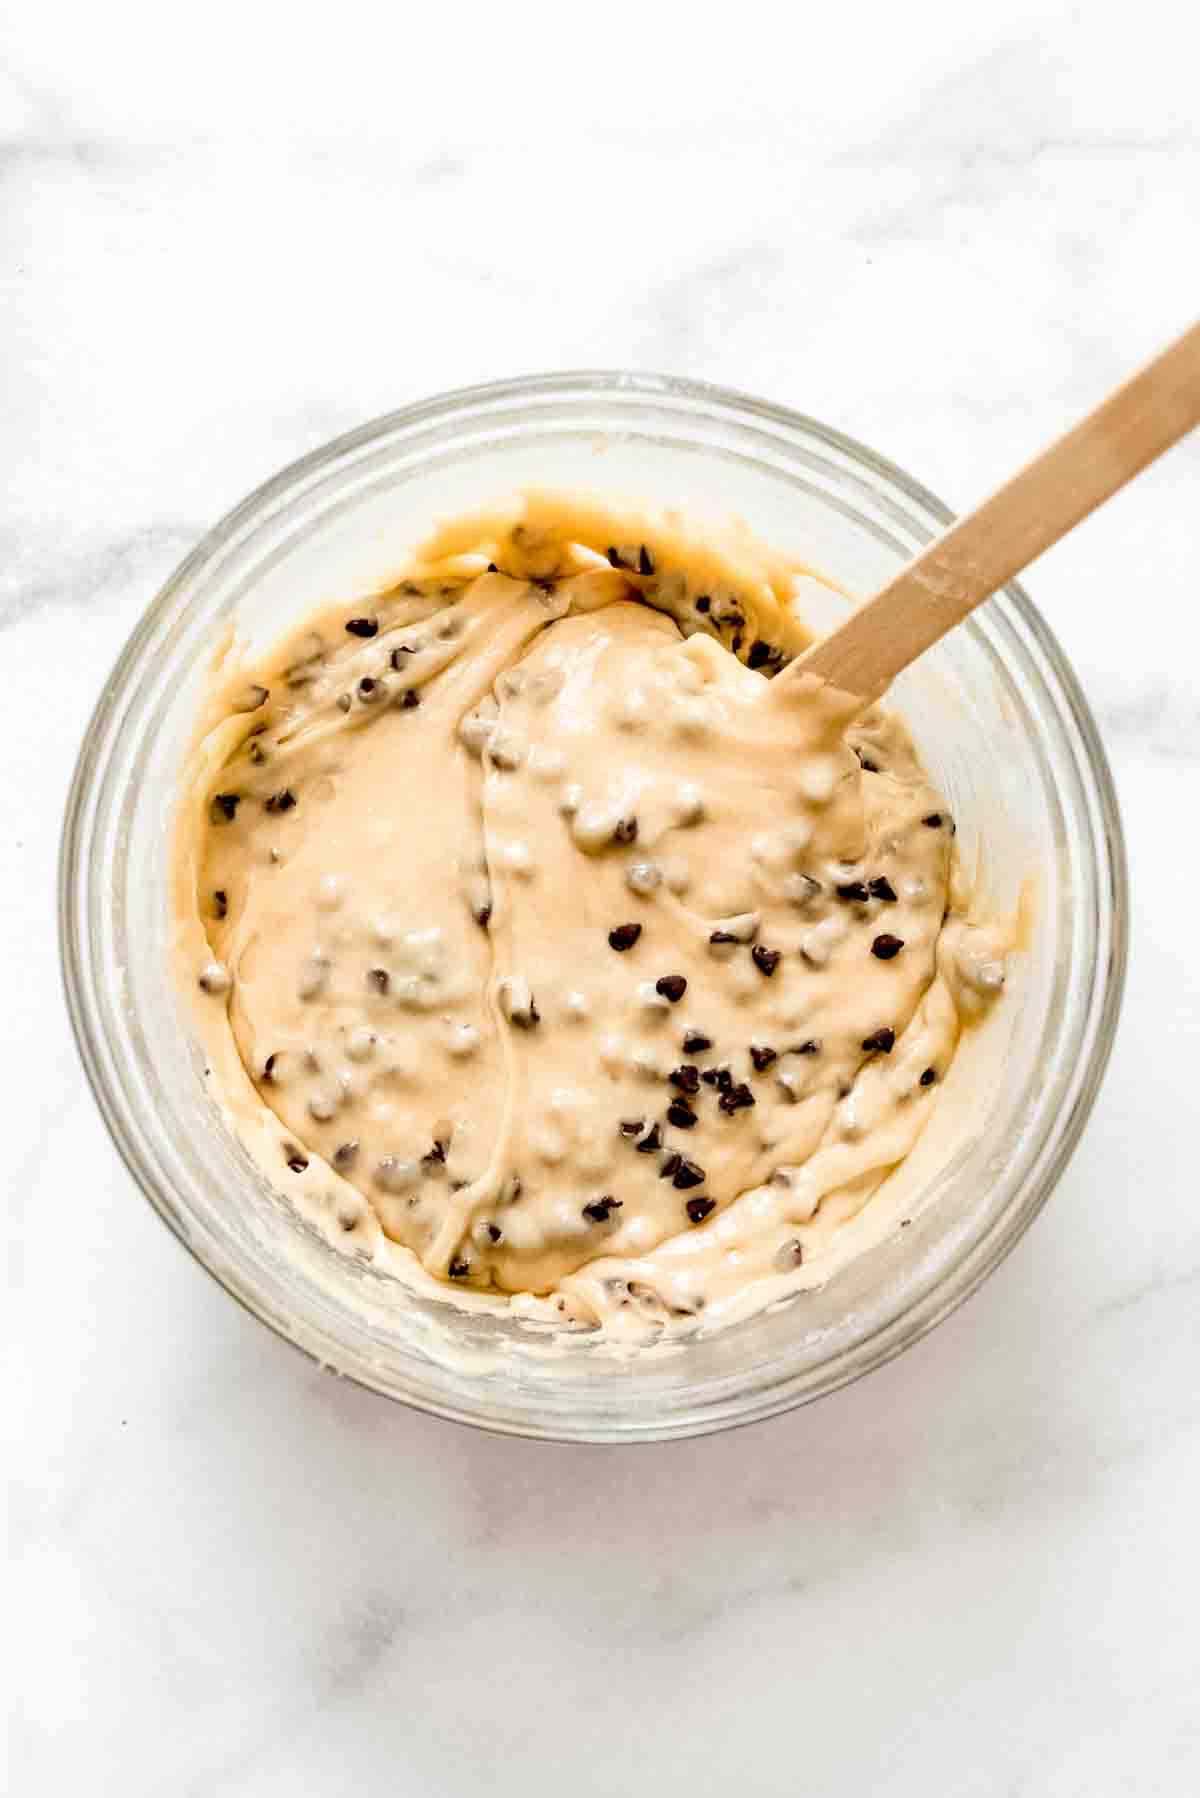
(978, 553)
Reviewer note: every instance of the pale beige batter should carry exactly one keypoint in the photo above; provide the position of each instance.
(567, 942)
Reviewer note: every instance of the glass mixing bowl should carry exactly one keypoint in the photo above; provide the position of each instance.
(1003, 729)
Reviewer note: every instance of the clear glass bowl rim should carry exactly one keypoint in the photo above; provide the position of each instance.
(967, 1273)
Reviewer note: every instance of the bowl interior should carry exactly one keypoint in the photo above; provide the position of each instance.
(999, 722)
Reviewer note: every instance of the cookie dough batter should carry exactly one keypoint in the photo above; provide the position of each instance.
(555, 942)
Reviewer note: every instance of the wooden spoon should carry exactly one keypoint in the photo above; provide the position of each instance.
(978, 553)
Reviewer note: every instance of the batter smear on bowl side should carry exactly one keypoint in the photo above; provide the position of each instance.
(548, 947)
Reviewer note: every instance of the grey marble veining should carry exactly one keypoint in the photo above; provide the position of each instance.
(945, 233)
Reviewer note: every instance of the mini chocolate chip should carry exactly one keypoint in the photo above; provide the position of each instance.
(699, 1209)
(694, 1043)
(344, 1154)
(685, 1077)
(378, 980)
(759, 653)
(598, 1211)
(651, 1141)
(736, 1098)
(670, 1167)
(721, 937)
(811, 1047)
(281, 802)
(624, 936)
(645, 561)
(295, 1159)
(268, 1072)
(362, 627)
(883, 1040)
(687, 1175)
(220, 902)
(492, 569)
(632, 1126)
(409, 700)
(762, 1057)
(483, 916)
(933, 821)
(681, 1115)
(672, 987)
(885, 946)
(928, 1077)
(626, 831)
(435, 1155)
(223, 807)
(721, 1078)
(495, 1233)
(853, 889)
(765, 960)
(613, 557)
(881, 888)
(400, 656)
(703, 603)
(458, 1270)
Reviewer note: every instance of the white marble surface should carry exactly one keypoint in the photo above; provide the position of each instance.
(230, 233)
